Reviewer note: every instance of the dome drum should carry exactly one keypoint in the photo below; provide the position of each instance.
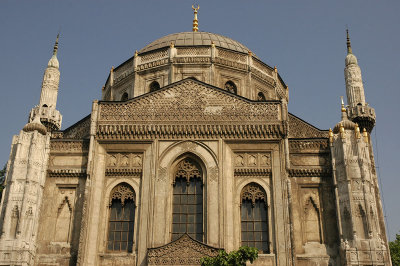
(215, 59)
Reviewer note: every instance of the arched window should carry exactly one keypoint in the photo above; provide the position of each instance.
(231, 87)
(122, 218)
(124, 96)
(261, 97)
(254, 217)
(154, 86)
(187, 209)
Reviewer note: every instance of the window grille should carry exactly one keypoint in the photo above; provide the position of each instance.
(187, 212)
(254, 218)
(122, 219)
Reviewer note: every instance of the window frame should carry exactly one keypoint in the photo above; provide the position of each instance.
(130, 246)
(203, 186)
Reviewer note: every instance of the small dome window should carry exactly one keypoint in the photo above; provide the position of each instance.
(124, 96)
(231, 87)
(261, 97)
(44, 105)
(154, 86)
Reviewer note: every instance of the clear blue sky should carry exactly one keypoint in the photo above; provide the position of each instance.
(304, 39)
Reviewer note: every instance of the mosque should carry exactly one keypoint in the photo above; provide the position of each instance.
(192, 150)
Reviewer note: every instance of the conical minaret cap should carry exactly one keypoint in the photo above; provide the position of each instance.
(351, 59)
(53, 62)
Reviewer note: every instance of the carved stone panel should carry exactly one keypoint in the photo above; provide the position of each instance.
(124, 164)
(183, 251)
(252, 160)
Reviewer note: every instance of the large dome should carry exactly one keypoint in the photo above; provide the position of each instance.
(195, 39)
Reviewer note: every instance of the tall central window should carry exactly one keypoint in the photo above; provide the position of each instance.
(187, 209)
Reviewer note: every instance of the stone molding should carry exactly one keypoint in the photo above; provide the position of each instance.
(183, 251)
(310, 172)
(252, 172)
(110, 172)
(67, 172)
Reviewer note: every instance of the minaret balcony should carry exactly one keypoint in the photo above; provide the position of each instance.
(50, 117)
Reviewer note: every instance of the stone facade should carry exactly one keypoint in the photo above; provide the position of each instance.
(188, 108)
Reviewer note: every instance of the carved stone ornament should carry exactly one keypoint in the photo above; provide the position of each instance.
(188, 169)
(301, 129)
(183, 251)
(189, 109)
(122, 192)
(253, 192)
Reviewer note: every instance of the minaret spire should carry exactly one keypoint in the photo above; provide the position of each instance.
(349, 51)
(49, 115)
(195, 21)
(56, 45)
(358, 111)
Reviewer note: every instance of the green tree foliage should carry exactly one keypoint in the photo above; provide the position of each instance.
(394, 247)
(234, 258)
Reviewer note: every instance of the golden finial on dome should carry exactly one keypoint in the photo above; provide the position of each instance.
(195, 21)
(212, 44)
(112, 69)
(275, 69)
(250, 53)
(136, 53)
(171, 45)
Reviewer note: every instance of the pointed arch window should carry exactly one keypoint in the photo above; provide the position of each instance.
(187, 205)
(124, 96)
(254, 217)
(154, 86)
(231, 86)
(122, 218)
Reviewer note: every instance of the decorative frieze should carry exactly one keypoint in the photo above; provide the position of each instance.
(157, 63)
(192, 60)
(252, 172)
(228, 63)
(67, 173)
(154, 56)
(69, 146)
(186, 110)
(313, 172)
(301, 129)
(194, 51)
(232, 56)
(312, 145)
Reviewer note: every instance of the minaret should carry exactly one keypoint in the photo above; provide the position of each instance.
(26, 175)
(359, 111)
(46, 109)
(358, 211)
